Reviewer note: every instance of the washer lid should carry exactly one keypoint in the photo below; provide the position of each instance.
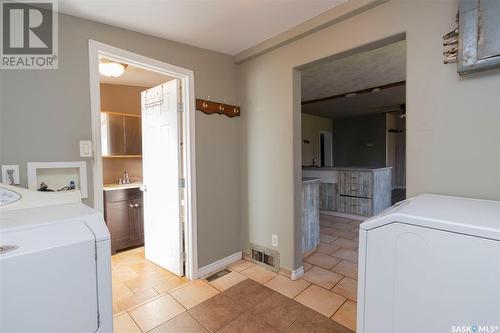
(69, 213)
(462, 215)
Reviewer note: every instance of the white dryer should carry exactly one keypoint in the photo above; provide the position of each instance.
(55, 264)
(431, 264)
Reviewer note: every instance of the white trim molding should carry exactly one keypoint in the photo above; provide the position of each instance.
(186, 77)
(219, 264)
(297, 273)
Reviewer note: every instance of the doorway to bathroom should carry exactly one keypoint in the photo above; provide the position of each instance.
(144, 177)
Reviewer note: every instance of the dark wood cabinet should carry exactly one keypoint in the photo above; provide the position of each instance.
(124, 215)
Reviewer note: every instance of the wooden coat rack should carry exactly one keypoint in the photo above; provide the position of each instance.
(209, 107)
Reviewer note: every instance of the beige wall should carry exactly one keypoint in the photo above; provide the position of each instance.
(121, 99)
(311, 127)
(46, 112)
(453, 122)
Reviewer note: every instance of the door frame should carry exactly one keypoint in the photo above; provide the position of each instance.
(186, 77)
(331, 144)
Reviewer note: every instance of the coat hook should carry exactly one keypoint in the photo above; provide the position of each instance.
(221, 107)
(205, 104)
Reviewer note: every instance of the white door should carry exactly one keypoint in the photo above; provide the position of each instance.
(161, 164)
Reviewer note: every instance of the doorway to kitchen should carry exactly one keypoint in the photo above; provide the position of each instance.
(144, 176)
(351, 147)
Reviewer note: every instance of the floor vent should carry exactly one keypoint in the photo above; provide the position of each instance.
(265, 257)
(217, 275)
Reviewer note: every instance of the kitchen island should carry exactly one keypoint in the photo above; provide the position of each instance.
(362, 191)
(310, 213)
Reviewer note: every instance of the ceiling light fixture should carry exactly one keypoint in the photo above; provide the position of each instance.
(111, 69)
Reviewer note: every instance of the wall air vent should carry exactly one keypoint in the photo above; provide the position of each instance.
(265, 257)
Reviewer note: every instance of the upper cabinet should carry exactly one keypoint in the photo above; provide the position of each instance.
(120, 134)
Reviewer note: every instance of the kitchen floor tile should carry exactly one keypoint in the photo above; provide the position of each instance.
(346, 315)
(241, 265)
(346, 268)
(286, 286)
(307, 266)
(312, 322)
(247, 323)
(228, 280)
(327, 248)
(345, 234)
(194, 293)
(216, 312)
(320, 300)
(278, 311)
(346, 254)
(347, 287)
(123, 323)
(324, 238)
(248, 293)
(322, 277)
(322, 260)
(259, 274)
(148, 279)
(155, 312)
(120, 290)
(344, 226)
(121, 272)
(183, 323)
(170, 283)
(141, 296)
(345, 243)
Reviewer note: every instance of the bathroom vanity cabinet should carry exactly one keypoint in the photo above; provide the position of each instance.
(124, 216)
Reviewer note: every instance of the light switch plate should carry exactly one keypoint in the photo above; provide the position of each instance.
(10, 174)
(85, 148)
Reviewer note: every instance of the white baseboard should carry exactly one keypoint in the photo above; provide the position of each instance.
(218, 265)
(298, 273)
(347, 216)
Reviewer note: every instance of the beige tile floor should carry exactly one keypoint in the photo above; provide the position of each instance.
(147, 298)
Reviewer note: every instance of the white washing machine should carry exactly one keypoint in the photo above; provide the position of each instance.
(55, 264)
(431, 264)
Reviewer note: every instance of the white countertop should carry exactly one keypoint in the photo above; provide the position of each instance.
(309, 180)
(113, 187)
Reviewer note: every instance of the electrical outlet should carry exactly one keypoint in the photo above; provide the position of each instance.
(274, 240)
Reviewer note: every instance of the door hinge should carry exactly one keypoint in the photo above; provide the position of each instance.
(180, 107)
(183, 256)
(182, 182)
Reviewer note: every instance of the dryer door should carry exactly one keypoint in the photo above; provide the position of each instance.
(48, 283)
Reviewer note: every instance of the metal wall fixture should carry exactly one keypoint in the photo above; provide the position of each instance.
(474, 44)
